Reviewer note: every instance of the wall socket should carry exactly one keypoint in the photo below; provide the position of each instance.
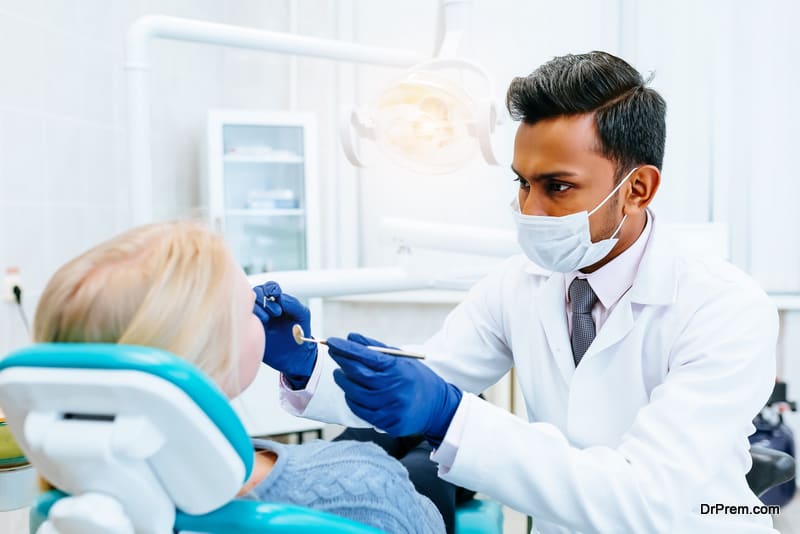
(12, 278)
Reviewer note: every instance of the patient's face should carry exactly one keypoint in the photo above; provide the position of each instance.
(251, 332)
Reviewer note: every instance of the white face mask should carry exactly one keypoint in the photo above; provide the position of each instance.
(563, 244)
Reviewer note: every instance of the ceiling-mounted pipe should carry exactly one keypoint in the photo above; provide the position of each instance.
(340, 282)
(454, 18)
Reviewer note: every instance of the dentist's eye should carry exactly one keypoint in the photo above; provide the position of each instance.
(523, 184)
(555, 187)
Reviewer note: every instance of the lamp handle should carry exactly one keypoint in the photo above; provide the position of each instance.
(347, 126)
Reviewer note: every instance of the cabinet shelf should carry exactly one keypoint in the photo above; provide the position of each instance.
(265, 213)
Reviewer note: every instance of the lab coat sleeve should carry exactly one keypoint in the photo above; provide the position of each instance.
(722, 369)
(321, 400)
(469, 351)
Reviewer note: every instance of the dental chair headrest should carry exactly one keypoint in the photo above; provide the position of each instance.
(134, 422)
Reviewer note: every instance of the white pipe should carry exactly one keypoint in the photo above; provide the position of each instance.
(340, 282)
(452, 238)
(163, 27)
(455, 15)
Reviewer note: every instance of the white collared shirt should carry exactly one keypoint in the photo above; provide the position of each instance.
(612, 280)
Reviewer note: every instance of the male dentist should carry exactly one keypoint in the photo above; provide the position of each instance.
(641, 369)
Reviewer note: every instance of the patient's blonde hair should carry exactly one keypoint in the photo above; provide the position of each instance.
(166, 285)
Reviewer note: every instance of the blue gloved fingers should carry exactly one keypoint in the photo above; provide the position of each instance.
(368, 395)
(259, 312)
(364, 340)
(364, 377)
(348, 354)
(271, 289)
(281, 352)
(364, 406)
(266, 295)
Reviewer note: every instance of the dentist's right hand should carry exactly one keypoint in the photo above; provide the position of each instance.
(279, 312)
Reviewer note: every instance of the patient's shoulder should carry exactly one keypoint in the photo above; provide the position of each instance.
(349, 459)
(353, 479)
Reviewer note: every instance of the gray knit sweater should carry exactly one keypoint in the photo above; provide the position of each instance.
(351, 479)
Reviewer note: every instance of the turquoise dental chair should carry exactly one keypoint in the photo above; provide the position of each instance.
(143, 442)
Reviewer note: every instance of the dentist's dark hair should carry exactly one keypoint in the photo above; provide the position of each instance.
(630, 117)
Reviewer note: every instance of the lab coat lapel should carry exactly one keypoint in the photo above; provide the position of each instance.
(616, 327)
(552, 313)
(655, 284)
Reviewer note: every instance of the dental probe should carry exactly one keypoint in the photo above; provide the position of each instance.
(297, 334)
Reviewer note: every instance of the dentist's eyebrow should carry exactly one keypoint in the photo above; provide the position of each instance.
(543, 176)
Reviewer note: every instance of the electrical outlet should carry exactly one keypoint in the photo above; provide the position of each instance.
(12, 278)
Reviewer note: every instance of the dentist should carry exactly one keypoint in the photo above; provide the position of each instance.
(641, 369)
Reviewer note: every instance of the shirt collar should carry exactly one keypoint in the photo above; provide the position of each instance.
(613, 279)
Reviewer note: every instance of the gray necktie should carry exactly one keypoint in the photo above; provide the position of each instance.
(583, 300)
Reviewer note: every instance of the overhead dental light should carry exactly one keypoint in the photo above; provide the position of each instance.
(436, 117)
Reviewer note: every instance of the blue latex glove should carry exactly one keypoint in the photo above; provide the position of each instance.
(279, 312)
(401, 396)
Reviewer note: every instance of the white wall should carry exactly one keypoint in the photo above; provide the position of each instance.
(727, 70)
(63, 162)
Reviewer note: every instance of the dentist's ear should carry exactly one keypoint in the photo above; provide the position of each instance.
(644, 183)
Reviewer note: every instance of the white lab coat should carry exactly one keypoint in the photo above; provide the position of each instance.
(652, 423)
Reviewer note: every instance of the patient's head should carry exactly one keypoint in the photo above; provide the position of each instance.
(173, 286)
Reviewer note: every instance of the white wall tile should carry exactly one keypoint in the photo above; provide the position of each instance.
(84, 19)
(29, 9)
(97, 150)
(66, 182)
(66, 237)
(270, 15)
(96, 72)
(65, 84)
(22, 176)
(255, 80)
(100, 225)
(23, 61)
(121, 203)
(195, 9)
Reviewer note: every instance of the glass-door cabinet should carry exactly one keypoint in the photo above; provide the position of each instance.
(262, 187)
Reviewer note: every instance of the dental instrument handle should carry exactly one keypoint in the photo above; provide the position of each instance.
(397, 352)
(384, 350)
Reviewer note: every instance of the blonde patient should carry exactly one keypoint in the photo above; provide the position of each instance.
(175, 286)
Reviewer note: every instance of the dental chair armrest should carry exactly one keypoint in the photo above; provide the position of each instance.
(254, 517)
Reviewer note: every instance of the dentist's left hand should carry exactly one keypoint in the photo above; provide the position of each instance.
(279, 312)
